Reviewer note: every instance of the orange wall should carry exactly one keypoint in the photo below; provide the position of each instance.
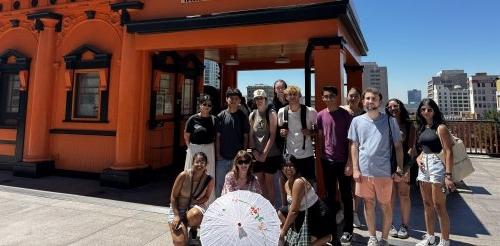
(79, 152)
(8, 134)
(7, 149)
(82, 153)
(154, 9)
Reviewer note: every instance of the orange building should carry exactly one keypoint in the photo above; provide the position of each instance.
(105, 87)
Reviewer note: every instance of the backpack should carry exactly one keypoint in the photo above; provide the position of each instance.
(303, 112)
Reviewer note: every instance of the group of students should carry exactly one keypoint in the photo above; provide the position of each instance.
(235, 151)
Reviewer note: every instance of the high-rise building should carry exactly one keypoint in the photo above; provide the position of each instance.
(267, 88)
(498, 94)
(414, 97)
(482, 92)
(447, 78)
(449, 90)
(375, 77)
(212, 73)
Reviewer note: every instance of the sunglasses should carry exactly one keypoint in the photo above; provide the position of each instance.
(207, 104)
(244, 162)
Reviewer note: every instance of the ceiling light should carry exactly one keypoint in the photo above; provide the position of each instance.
(232, 61)
(282, 59)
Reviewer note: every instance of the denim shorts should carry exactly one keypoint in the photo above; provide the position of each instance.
(434, 169)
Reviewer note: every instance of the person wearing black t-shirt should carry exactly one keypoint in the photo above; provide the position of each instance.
(199, 135)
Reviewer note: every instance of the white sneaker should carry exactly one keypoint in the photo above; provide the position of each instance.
(403, 232)
(427, 240)
(393, 232)
(372, 241)
(355, 220)
(443, 242)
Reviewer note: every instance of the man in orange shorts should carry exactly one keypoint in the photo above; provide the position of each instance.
(371, 158)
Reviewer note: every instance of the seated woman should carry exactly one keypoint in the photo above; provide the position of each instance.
(241, 176)
(300, 193)
(191, 191)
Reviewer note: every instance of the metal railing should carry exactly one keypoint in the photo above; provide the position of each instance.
(479, 137)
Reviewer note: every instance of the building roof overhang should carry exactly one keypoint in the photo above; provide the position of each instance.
(341, 10)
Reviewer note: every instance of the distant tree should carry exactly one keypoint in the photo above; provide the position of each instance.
(492, 114)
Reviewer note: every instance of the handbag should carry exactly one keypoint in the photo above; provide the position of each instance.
(462, 165)
(394, 162)
(303, 237)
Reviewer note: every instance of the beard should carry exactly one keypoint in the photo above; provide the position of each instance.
(371, 107)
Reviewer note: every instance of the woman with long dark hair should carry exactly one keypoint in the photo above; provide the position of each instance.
(435, 176)
(188, 200)
(396, 109)
(241, 176)
(301, 196)
(199, 136)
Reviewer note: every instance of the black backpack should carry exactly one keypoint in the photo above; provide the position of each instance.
(303, 112)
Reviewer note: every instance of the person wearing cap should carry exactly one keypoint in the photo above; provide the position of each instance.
(232, 136)
(263, 122)
(298, 137)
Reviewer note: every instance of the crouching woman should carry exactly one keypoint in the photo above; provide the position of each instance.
(191, 191)
(301, 196)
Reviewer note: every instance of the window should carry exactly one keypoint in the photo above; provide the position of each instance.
(86, 80)
(187, 100)
(9, 94)
(165, 95)
(86, 99)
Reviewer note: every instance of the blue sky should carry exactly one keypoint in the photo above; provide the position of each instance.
(417, 39)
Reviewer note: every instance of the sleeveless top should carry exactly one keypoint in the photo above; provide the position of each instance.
(429, 140)
(311, 198)
(261, 132)
(189, 188)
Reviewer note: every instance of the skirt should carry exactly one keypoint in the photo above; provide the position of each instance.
(209, 150)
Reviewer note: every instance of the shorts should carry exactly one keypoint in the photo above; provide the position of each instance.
(307, 168)
(371, 187)
(434, 171)
(271, 166)
(170, 213)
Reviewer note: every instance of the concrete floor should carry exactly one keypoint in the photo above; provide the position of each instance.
(70, 211)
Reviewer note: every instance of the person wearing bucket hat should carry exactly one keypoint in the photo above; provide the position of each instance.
(263, 122)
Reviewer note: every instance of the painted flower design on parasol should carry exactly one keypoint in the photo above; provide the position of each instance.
(240, 218)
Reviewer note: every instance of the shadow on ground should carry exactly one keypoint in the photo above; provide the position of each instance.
(464, 221)
(156, 192)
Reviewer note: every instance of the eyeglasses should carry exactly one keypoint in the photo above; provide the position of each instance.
(244, 162)
(207, 104)
(430, 110)
(203, 162)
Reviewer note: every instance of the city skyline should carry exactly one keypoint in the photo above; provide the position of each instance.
(417, 46)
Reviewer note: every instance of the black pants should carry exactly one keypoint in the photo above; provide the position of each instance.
(333, 172)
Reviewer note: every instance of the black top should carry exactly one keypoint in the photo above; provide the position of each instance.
(202, 129)
(429, 140)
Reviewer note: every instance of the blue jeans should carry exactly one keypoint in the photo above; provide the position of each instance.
(222, 167)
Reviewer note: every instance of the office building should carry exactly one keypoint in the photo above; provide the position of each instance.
(375, 76)
(483, 93)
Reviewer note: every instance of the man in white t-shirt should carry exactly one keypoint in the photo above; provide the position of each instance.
(298, 137)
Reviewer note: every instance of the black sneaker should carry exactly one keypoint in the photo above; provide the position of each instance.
(346, 239)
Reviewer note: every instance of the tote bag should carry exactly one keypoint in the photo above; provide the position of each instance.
(462, 165)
